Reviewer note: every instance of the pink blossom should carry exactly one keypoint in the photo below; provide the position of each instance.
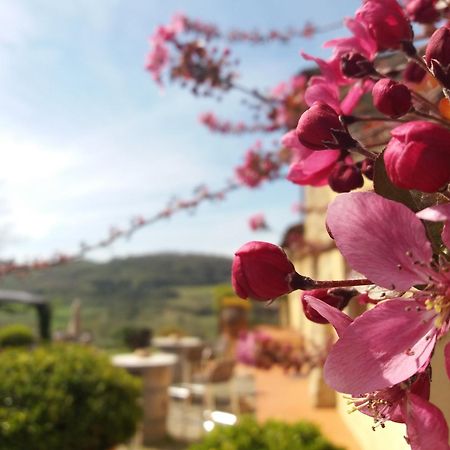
(437, 54)
(386, 23)
(158, 56)
(330, 70)
(438, 213)
(418, 156)
(157, 59)
(248, 347)
(361, 41)
(257, 167)
(345, 177)
(422, 11)
(426, 425)
(319, 127)
(391, 98)
(308, 166)
(257, 222)
(387, 243)
(320, 90)
(406, 401)
(261, 271)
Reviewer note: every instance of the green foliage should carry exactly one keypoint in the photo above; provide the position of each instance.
(64, 397)
(16, 335)
(273, 435)
(223, 290)
(136, 337)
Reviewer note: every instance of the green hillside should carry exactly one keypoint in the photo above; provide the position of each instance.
(162, 291)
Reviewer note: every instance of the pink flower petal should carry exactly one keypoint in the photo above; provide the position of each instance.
(315, 169)
(337, 318)
(354, 95)
(438, 213)
(380, 238)
(425, 424)
(321, 90)
(290, 141)
(331, 69)
(360, 42)
(383, 347)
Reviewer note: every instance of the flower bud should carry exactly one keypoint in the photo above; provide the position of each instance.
(386, 23)
(319, 128)
(391, 98)
(418, 156)
(422, 11)
(413, 73)
(437, 55)
(261, 271)
(345, 177)
(338, 298)
(355, 65)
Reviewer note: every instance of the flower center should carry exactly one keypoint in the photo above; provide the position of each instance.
(441, 305)
(377, 404)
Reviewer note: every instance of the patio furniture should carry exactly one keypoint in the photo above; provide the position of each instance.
(189, 351)
(220, 389)
(156, 371)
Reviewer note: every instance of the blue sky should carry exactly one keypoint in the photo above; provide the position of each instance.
(89, 141)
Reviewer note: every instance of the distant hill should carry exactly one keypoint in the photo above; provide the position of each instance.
(166, 290)
(135, 276)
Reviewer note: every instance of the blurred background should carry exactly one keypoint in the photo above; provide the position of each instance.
(90, 142)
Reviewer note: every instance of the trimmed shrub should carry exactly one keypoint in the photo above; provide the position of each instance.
(247, 434)
(65, 397)
(16, 335)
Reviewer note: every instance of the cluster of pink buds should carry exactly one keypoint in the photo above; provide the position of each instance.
(258, 222)
(379, 109)
(263, 349)
(190, 62)
(211, 31)
(258, 166)
(213, 123)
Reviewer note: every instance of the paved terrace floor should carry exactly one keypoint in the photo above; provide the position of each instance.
(283, 397)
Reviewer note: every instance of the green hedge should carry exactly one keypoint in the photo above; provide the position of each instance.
(273, 435)
(64, 397)
(16, 335)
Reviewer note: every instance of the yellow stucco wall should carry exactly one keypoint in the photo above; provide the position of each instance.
(328, 265)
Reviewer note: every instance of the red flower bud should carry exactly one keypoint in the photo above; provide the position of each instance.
(413, 73)
(386, 23)
(418, 156)
(355, 65)
(345, 177)
(319, 128)
(391, 98)
(338, 298)
(422, 11)
(437, 55)
(261, 271)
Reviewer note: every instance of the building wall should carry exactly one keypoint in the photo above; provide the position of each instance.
(328, 264)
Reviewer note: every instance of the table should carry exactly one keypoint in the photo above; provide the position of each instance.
(156, 371)
(187, 348)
